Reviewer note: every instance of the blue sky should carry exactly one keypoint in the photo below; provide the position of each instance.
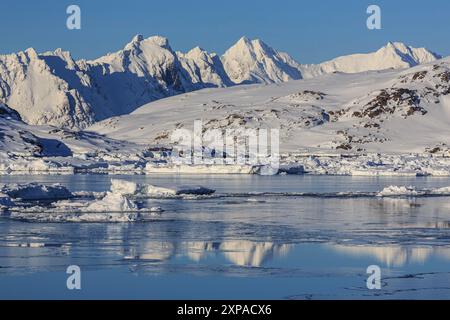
(310, 31)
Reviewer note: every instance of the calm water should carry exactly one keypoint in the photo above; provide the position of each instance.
(241, 245)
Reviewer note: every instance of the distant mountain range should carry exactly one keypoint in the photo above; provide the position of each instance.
(53, 88)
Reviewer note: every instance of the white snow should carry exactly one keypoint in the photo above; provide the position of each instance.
(53, 88)
(123, 187)
(179, 190)
(395, 55)
(201, 169)
(35, 191)
(391, 122)
(253, 61)
(112, 202)
(377, 123)
(397, 191)
(132, 189)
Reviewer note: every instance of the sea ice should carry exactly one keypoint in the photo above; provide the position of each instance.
(128, 188)
(398, 191)
(112, 202)
(201, 169)
(34, 191)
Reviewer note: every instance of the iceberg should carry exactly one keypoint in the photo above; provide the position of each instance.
(123, 187)
(201, 169)
(35, 191)
(177, 191)
(132, 189)
(398, 191)
(112, 202)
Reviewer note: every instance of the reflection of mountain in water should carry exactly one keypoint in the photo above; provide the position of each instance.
(240, 252)
(394, 255)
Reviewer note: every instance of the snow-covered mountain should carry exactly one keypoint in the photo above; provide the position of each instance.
(204, 69)
(53, 88)
(388, 122)
(389, 112)
(395, 55)
(253, 61)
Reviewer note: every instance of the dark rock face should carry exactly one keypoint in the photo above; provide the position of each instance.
(7, 112)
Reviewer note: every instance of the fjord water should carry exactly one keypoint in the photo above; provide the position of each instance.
(259, 240)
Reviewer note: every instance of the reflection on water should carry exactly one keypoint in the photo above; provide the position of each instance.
(240, 253)
(291, 246)
(397, 256)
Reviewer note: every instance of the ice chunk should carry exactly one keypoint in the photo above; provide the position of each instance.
(112, 202)
(292, 169)
(127, 188)
(35, 191)
(198, 190)
(89, 194)
(124, 187)
(104, 217)
(202, 169)
(441, 191)
(49, 216)
(160, 191)
(398, 191)
(181, 190)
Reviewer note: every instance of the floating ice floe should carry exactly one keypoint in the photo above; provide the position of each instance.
(181, 190)
(117, 205)
(201, 169)
(398, 191)
(404, 191)
(112, 206)
(112, 202)
(128, 188)
(35, 191)
(123, 187)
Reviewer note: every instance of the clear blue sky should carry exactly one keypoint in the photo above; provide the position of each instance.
(311, 31)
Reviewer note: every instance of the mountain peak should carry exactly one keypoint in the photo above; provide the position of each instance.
(196, 52)
(397, 46)
(139, 40)
(160, 41)
(31, 53)
(243, 40)
(250, 61)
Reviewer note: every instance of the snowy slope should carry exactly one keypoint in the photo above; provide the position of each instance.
(20, 139)
(389, 111)
(204, 69)
(29, 85)
(395, 55)
(392, 122)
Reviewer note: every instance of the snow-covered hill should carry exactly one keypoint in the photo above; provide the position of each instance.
(390, 112)
(395, 55)
(54, 89)
(378, 122)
